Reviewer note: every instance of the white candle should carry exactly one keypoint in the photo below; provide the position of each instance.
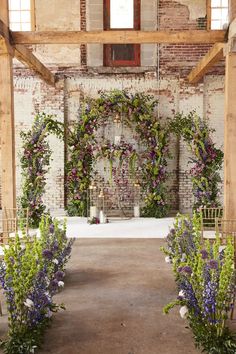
(136, 211)
(101, 217)
(117, 139)
(93, 212)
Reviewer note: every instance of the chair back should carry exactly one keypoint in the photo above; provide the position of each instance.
(8, 226)
(209, 216)
(21, 216)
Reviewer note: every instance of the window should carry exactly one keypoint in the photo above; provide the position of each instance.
(122, 15)
(218, 12)
(21, 15)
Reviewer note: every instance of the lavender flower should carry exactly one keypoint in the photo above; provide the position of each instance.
(204, 254)
(47, 254)
(213, 264)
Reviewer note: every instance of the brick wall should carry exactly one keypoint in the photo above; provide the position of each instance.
(32, 96)
(80, 68)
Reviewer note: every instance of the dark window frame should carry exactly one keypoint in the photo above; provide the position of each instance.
(107, 51)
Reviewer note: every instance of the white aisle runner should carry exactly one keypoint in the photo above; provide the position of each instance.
(132, 228)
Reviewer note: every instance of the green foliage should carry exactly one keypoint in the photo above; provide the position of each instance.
(207, 159)
(35, 162)
(205, 278)
(29, 275)
(138, 109)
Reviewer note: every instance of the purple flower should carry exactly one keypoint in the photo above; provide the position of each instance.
(47, 254)
(204, 254)
(51, 228)
(186, 269)
(54, 283)
(213, 264)
(59, 275)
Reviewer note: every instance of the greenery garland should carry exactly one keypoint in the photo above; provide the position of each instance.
(35, 162)
(207, 158)
(136, 108)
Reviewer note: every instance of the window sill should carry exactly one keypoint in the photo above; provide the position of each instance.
(121, 70)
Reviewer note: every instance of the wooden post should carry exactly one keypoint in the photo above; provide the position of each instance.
(8, 180)
(230, 138)
(230, 126)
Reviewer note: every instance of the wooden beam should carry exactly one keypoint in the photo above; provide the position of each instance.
(113, 37)
(230, 122)
(24, 55)
(215, 54)
(232, 9)
(8, 172)
(230, 138)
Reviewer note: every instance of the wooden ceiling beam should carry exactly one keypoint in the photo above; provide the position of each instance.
(24, 55)
(215, 54)
(114, 37)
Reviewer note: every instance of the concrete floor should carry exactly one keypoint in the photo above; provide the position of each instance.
(114, 294)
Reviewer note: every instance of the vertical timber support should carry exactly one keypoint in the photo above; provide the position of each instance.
(8, 179)
(230, 124)
(230, 138)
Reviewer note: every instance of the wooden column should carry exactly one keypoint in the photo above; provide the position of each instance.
(230, 124)
(232, 9)
(230, 138)
(8, 180)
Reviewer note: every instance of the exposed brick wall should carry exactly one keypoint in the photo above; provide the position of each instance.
(179, 59)
(167, 82)
(32, 96)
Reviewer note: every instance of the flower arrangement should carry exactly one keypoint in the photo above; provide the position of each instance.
(205, 279)
(93, 221)
(138, 109)
(31, 274)
(120, 152)
(207, 158)
(35, 162)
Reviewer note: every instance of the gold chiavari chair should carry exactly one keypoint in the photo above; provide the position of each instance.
(20, 215)
(208, 221)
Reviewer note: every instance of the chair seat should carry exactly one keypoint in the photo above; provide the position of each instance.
(209, 234)
(31, 233)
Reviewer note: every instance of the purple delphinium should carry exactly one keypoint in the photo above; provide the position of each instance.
(189, 295)
(59, 275)
(209, 301)
(213, 264)
(187, 269)
(204, 254)
(48, 254)
(51, 228)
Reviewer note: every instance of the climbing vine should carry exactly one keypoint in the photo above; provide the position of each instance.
(35, 161)
(137, 109)
(207, 159)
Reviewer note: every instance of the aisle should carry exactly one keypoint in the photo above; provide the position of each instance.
(115, 291)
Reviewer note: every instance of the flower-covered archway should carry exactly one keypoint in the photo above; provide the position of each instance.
(206, 157)
(138, 109)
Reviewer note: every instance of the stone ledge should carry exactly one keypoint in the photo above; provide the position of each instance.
(121, 70)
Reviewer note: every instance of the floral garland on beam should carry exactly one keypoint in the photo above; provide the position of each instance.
(35, 161)
(136, 108)
(207, 159)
